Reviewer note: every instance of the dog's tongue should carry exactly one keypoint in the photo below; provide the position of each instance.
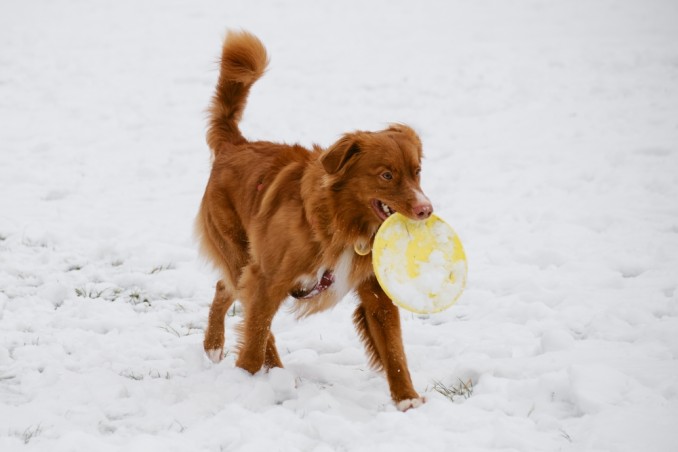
(325, 281)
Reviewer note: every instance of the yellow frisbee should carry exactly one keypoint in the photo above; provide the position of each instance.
(421, 265)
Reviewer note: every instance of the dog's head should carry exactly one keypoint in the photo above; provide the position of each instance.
(380, 172)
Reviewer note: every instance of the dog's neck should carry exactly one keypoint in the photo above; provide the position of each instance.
(336, 227)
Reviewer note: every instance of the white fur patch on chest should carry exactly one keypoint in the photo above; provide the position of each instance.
(342, 274)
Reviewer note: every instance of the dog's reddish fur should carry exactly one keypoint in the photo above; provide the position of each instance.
(275, 218)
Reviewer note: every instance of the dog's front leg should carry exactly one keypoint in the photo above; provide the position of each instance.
(378, 322)
(257, 345)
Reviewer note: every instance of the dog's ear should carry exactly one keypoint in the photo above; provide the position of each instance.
(339, 154)
(409, 133)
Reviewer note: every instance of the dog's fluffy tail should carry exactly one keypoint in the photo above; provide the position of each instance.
(243, 61)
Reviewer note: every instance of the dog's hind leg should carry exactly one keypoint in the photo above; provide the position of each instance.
(261, 301)
(272, 358)
(378, 323)
(214, 335)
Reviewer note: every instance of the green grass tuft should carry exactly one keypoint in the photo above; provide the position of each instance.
(461, 389)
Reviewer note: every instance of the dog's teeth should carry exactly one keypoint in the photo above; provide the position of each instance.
(387, 210)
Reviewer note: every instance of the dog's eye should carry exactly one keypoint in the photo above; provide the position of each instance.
(387, 175)
(417, 172)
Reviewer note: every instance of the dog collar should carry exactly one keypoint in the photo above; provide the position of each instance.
(325, 282)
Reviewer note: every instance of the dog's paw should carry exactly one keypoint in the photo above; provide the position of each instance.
(406, 404)
(215, 355)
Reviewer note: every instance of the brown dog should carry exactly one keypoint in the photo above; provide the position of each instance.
(281, 221)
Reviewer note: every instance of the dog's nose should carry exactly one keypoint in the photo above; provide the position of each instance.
(423, 211)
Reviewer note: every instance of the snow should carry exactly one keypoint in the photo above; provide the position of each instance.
(550, 131)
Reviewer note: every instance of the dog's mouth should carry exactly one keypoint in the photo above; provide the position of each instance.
(381, 209)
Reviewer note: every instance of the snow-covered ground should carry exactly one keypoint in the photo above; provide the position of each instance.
(551, 135)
